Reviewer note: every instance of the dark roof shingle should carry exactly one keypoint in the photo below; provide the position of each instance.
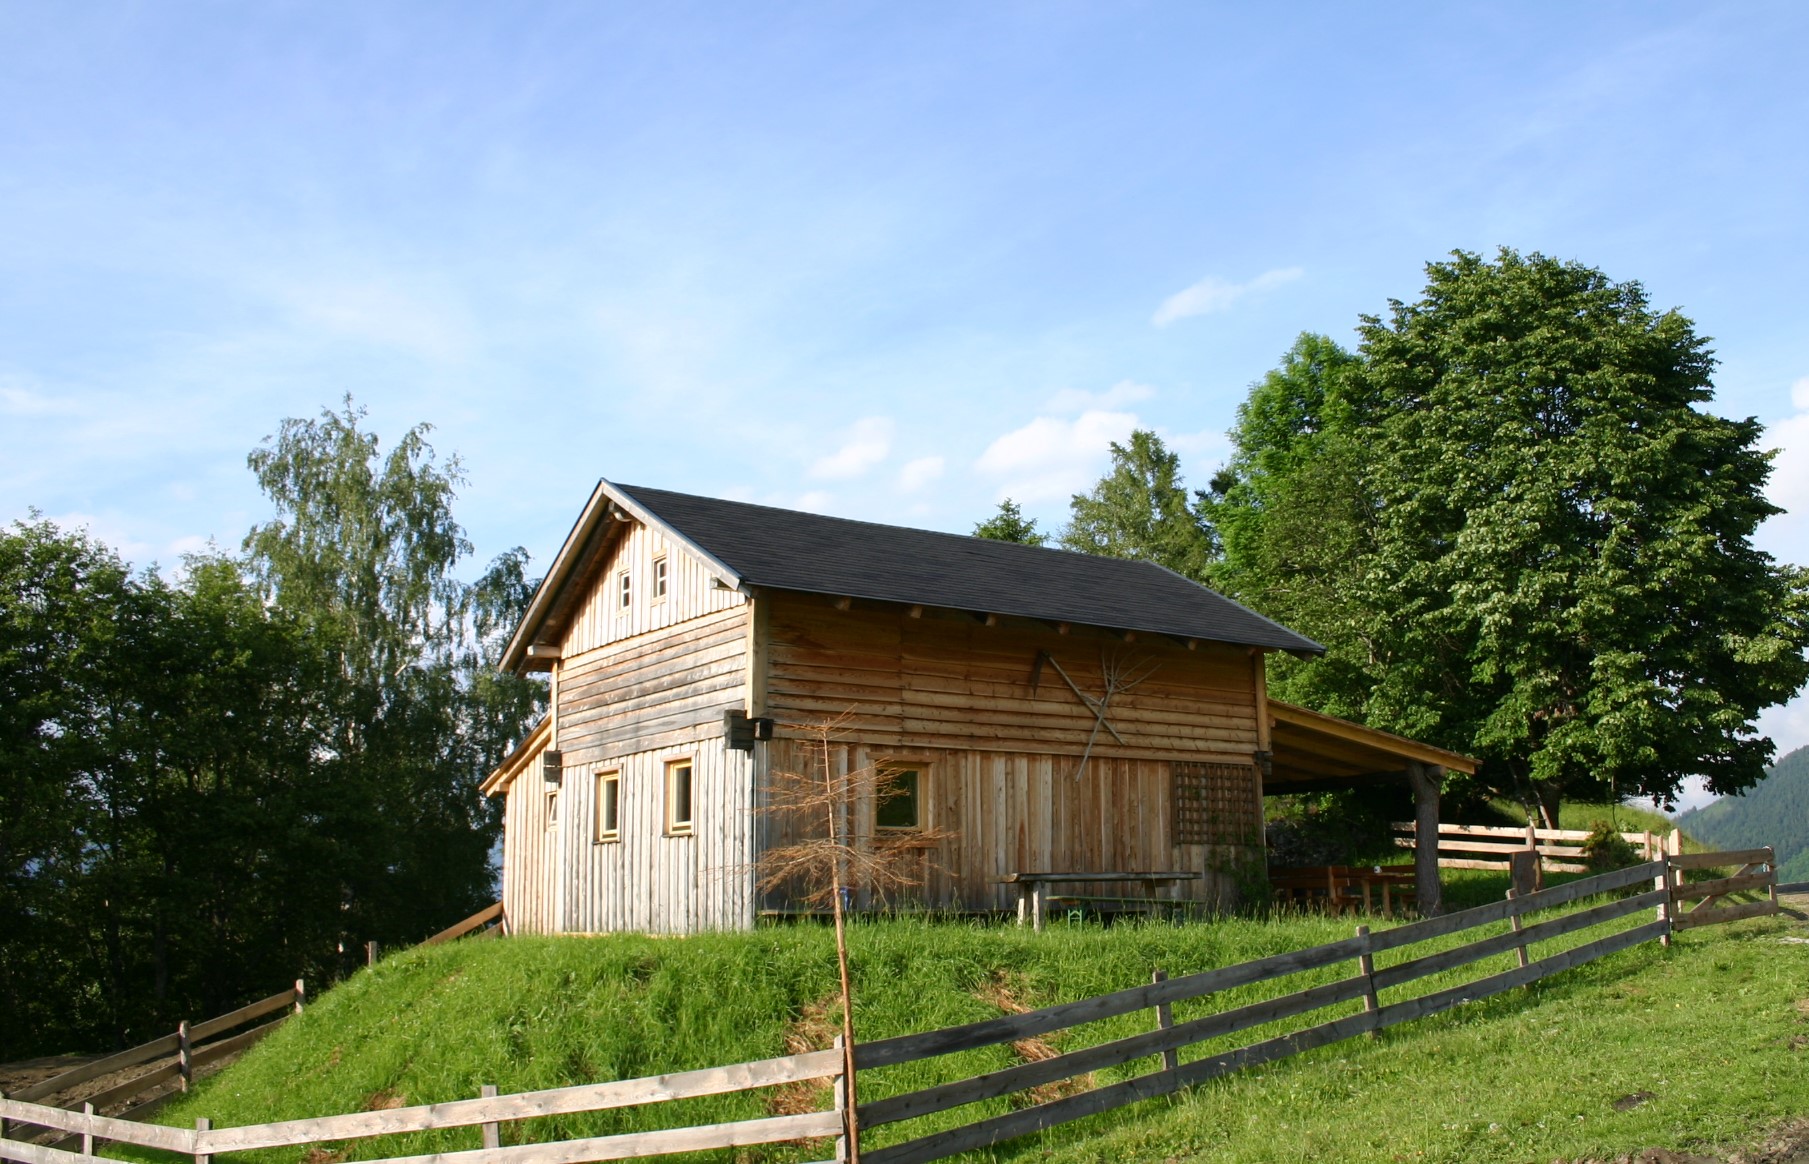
(789, 550)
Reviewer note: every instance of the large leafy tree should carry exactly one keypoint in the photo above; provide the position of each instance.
(364, 550)
(1142, 509)
(1537, 543)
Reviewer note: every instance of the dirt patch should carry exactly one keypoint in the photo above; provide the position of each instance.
(1003, 989)
(318, 1155)
(1629, 1102)
(384, 1099)
(814, 1029)
(1802, 1008)
(1786, 1143)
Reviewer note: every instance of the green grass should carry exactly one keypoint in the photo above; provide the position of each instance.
(1705, 1027)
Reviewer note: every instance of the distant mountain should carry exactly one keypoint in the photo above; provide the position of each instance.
(1773, 812)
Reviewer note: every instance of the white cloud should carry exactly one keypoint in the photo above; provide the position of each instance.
(1214, 294)
(20, 400)
(1051, 458)
(1786, 536)
(1073, 400)
(816, 501)
(865, 446)
(920, 472)
(1786, 724)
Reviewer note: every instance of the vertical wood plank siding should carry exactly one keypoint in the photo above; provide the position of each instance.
(691, 591)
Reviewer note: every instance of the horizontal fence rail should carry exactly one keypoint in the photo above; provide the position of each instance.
(1493, 846)
(1656, 886)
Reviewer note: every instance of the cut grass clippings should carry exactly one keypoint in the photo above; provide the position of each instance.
(1706, 1030)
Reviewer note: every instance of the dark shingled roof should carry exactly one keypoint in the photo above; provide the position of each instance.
(788, 550)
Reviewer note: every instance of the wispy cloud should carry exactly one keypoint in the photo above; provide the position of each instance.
(866, 444)
(1214, 294)
(1787, 535)
(920, 472)
(1073, 400)
(20, 399)
(1052, 457)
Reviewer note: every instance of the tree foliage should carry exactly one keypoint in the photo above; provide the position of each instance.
(218, 783)
(1010, 525)
(1141, 509)
(1533, 543)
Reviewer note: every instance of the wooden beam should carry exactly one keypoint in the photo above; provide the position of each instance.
(549, 652)
(844, 603)
(915, 612)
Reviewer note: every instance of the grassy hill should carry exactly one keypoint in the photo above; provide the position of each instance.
(1708, 1030)
(1775, 812)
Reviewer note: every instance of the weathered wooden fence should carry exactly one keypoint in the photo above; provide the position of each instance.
(1367, 1000)
(1494, 846)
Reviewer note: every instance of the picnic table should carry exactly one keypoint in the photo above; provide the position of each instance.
(1340, 887)
(1034, 896)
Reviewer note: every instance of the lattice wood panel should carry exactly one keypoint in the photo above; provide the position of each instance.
(1215, 804)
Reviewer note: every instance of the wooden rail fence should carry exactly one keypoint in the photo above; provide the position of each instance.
(1367, 1000)
(1494, 846)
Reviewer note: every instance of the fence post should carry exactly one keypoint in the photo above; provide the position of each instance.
(301, 995)
(202, 1126)
(370, 953)
(185, 1055)
(1666, 880)
(1165, 1018)
(1514, 921)
(88, 1132)
(2, 1119)
(492, 1130)
(1771, 863)
(1366, 966)
(840, 1084)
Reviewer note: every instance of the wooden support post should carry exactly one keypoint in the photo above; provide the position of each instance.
(2, 1119)
(1023, 902)
(1667, 881)
(202, 1125)
(301, 995)
(370, 953)
(1038, 905)
(1165, 1018)
(492, 1130)
(1771, 863)
(839, 1085)
(87, 1134)
(185, 1055)
(1366, 966)
(1518, 925)
(1426, 779)
(1524, 871)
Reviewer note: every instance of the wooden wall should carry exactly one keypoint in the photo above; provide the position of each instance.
(530, 856)
(691, 592)
(654, 690)
(1000, 813)
(946, 680)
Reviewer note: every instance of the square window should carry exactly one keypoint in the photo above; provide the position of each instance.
(659, 579)
(609, 806)
(899, 805)
(624, 590)
(678, 797)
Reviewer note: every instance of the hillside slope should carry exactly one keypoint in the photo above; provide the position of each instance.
(1775, 812)
(1528, 1075)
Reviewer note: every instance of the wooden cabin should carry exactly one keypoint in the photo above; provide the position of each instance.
(1037, 711)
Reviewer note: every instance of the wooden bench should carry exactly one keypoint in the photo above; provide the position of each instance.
(1344, 888)
(1034, 896)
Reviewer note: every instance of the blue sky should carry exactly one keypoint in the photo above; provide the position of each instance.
(889, 261)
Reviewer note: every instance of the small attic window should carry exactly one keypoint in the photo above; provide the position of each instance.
(624, 590)
(659, 579)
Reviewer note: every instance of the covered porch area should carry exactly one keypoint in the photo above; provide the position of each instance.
(1314, 752)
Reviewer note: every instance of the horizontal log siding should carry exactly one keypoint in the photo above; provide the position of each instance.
(691, 592)
(1007, 813)
(661, 689)
(946, 680)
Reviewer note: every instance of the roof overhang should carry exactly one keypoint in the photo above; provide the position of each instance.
(1311, 751)
(578, 551)
(517, 761)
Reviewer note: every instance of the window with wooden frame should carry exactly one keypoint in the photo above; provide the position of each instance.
(624, 591)
(1215, 804)
(898, 803)
(659, 580)
(609, 806)
(678, 798)
(552, 807)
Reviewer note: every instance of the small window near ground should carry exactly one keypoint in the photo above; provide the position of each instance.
(899, 806)
(552, 809)
(659, 580)
(678, 797)
(624, 591)
(609, 806)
